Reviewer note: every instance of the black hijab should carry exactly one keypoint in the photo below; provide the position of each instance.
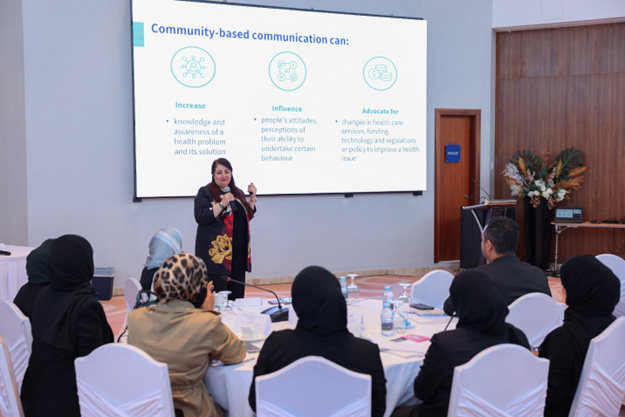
(70, 269)
(318, 301)
(478, 303)
(592, 289)
(36, 262)
(592, 292)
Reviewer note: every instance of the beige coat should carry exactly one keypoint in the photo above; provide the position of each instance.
(186, 339)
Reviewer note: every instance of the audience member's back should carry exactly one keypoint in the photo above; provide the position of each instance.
(68, 322)
(512, 277)
(481, 312)
(592, 292)
(36, 261)
(322, 331)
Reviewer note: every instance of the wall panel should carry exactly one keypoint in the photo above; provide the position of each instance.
(557, 88)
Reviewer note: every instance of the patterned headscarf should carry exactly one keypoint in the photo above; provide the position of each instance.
(181, 277)
(164, 243)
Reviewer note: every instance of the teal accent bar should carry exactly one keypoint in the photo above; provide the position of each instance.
(137, 34)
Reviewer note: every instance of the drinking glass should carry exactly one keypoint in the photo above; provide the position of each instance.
(399, 320)
(352, 288)
(405, 303)
(228, 304)
(405, 297)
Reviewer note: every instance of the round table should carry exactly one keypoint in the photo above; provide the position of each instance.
(13, 270)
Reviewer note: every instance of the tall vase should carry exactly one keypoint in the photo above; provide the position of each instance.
(538, 233)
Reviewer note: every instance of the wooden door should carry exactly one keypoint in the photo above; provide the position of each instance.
(456, 183)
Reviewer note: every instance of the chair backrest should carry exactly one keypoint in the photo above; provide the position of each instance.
(601, 387)
(132, 286)
(119, 379)
(617, 265)
(18, 336)
(313, 386)
(432, 289)
(503, 380)
(537, 315)
(10, 404)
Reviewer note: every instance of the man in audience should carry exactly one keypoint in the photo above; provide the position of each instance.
(512, 277)
(322, 331)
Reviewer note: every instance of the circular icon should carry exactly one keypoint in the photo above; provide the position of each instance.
(380, 73)
(287, 71)
(193, 67)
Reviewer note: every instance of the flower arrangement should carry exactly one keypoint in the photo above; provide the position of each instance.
(533, 176)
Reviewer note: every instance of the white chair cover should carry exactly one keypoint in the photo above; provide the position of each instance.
(132, 286)
(17, 333)
(537, 315)
(118, 380)
(617, 265)
(10, 404)
(503, 380)
(432, 289)
(313, 386)
(601, 387)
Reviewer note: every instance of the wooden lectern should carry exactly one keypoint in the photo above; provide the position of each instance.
(472, 222)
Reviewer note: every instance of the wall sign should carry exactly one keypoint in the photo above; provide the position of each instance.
(452, 153)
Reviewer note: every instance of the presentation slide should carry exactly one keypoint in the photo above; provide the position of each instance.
(300, 102)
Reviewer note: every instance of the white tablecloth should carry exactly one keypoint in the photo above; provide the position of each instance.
(13, 271)
(229, 384)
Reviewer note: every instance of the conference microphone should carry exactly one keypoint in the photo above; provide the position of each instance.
(485, 192)
(232, 206)
(277, 313)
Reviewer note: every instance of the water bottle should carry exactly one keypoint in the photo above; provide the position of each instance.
(344, 288)
(387, 297)
(387, 320)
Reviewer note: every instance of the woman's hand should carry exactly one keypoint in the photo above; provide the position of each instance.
(226, 199)
(252, 190)
(209, 301)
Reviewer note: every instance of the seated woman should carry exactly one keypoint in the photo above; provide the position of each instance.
(184, 337)
(68, 322)
(481, 311)
(322, 331)
(164, 244)
(592, 291)
(36, 262)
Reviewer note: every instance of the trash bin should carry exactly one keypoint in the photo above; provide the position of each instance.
(103, 282)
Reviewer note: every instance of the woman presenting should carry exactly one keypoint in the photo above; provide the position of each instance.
(223, 214)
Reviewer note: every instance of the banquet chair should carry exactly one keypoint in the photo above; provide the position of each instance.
(432, 289)
(10, 403)
(313, 386)
(617, 265)
(15, 328)
(537, 314)
(601, 387)
(132, 286)
(503, 380)
(122, 380)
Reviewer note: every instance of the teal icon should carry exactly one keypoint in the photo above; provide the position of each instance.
(193, 67)
(380, 73)
(287, 71)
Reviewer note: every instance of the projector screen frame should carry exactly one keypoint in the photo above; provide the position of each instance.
(347, 193)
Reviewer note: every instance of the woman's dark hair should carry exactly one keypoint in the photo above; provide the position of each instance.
(236, 191)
